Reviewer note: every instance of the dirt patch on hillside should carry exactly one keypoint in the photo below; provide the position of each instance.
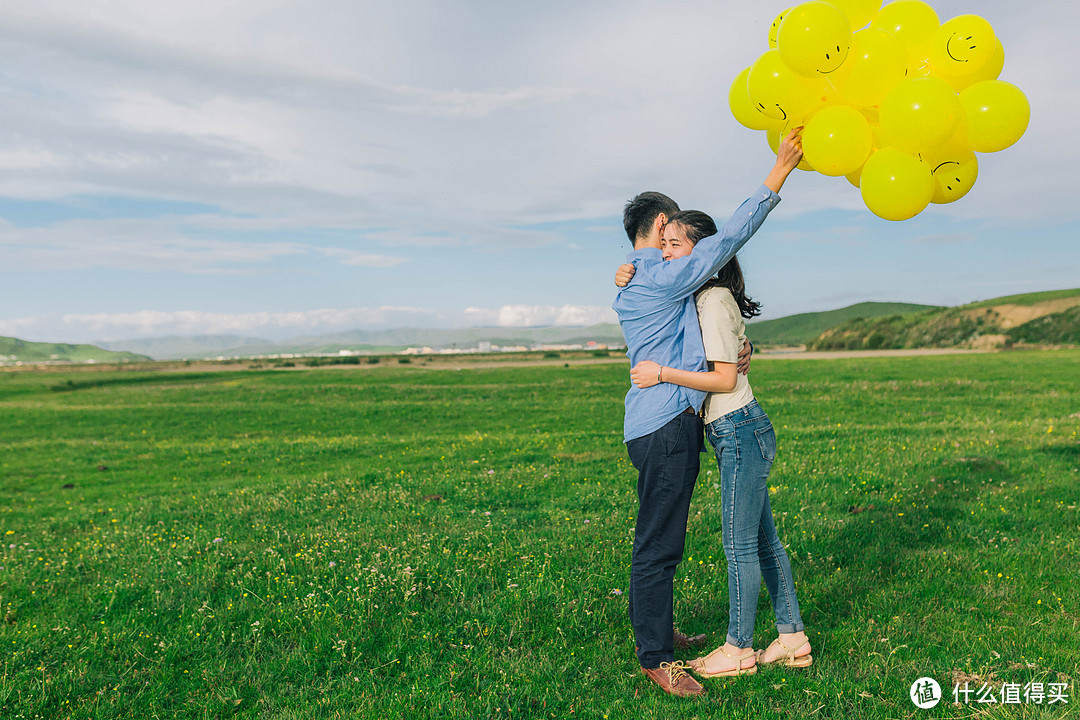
(1009, 316)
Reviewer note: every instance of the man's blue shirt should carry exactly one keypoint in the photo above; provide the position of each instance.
(659, 318)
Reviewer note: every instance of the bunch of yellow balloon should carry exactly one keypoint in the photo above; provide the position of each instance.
(888, 96)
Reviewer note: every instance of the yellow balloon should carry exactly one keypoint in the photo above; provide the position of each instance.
(896, 185)
(772, 135)
(743, 108)
(779, 93)
(920, 114)
(776, 26)
(875, 65)
(997, 115)
(814, 38)
(914, 23)
(962, 46)
(855, 178)
(990, 71)
(858, 12)
(954, 175)
(837, 140)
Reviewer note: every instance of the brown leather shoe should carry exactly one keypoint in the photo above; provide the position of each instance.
(686, 642)
(673, 679)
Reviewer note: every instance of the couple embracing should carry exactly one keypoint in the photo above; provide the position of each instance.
(684, 353)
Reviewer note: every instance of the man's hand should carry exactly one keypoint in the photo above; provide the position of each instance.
(645, 374)
(624, 275)
(743, 364)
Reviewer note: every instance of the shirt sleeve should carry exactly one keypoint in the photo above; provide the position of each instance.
(719, 328)
(680, 277)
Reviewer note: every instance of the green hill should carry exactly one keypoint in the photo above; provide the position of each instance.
(15, 350)
(803, 328)
(1045, 318)
(1027, 298)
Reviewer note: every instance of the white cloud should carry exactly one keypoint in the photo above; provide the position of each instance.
(475, 104)
(277, 109)
(958, 238)
(174, 243)
(144, 245)
(85, 327)
(351, 257)
(429, 125)
(540, 315)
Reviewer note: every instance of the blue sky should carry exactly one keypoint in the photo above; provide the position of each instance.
(280, 168)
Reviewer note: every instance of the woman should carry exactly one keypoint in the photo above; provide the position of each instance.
(745, 445)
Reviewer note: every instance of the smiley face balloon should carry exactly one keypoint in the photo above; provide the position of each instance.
(776, 27)
(954, 166)
(779, 93)
(962, 46)
(953, 178)
(744, 109)
(814, 38)
(902, 108)
(989, 71)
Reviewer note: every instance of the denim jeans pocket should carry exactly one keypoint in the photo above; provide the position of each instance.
(766, 439)
(719, 431)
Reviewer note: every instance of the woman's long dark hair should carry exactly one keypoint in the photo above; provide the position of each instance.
(696, 225)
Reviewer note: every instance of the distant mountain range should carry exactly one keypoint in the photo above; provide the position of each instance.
(792, 330)
(372, 341)
(1044, 318)
(174, 347)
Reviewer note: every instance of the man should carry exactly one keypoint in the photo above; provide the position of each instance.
(662, 429)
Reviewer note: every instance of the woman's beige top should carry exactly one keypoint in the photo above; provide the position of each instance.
(723, 333)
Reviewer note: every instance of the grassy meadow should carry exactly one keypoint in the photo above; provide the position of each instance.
(400, 542)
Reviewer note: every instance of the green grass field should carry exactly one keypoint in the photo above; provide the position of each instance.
(394, 542)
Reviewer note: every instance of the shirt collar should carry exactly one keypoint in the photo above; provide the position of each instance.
(645, 253)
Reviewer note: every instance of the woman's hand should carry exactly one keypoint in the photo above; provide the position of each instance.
(624, 274)
(788, 156)
(645, 374)
(790, 152)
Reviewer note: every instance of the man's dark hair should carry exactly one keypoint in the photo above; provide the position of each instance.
(697, 226)
(642, 210)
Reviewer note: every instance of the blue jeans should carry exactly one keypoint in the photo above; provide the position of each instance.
(745, 445)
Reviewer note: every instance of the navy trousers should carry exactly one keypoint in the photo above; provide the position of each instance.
(667, 462)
